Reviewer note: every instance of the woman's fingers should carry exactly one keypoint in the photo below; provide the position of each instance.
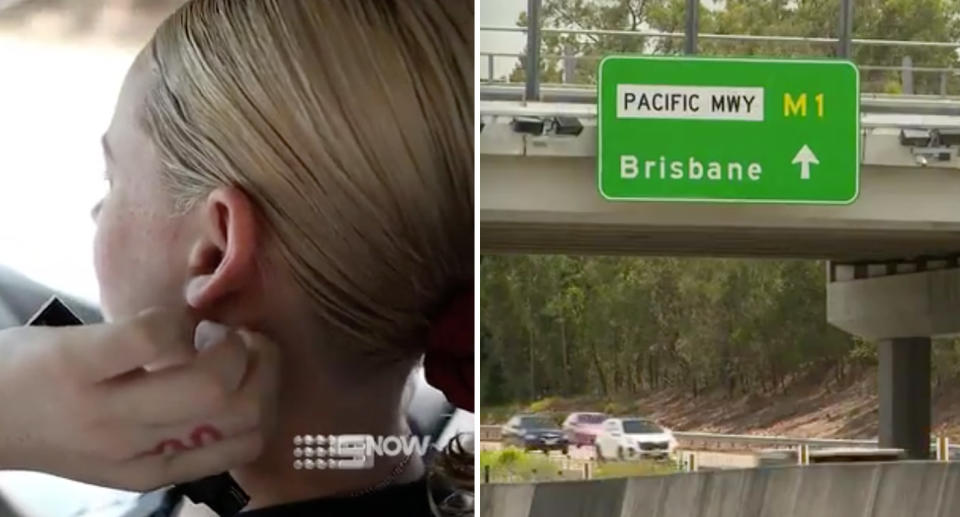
(174, 395)
(247, 422)
(229, 389)
(99, 352)
(139, 403)
(263, 381)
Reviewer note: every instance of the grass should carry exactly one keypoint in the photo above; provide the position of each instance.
(620, 469)
(513, 465)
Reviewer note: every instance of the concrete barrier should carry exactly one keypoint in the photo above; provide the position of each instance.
(914, 489)
(506, 500)
(580, 498)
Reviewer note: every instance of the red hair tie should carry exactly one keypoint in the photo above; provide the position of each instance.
(448, 363)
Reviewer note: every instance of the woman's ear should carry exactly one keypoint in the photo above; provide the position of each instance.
(222, 261)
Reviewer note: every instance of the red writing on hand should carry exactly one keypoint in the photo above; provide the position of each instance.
(199, 437)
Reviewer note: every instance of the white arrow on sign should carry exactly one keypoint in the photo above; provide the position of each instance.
(805, 157)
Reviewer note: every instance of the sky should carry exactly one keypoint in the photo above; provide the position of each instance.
(499, 13)
(504, 13)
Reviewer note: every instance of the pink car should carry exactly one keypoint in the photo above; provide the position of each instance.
(583, 428)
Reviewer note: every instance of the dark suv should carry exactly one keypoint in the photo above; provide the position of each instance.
(534, 432)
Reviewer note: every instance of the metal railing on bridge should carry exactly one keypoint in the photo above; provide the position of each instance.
(948, 83)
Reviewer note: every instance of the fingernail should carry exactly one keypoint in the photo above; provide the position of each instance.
(208, 333)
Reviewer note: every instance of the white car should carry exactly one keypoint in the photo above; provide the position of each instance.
(633, 438)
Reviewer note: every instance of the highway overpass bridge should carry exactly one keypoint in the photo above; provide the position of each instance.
(538, 193)
(893, 274)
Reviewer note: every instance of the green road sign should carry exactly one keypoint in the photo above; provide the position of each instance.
(728, 130)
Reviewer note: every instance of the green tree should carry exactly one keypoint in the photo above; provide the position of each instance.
(612, 326)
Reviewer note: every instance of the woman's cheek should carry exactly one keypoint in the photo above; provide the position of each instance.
(104, 261)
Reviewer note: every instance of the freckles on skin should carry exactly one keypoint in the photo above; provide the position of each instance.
(141, 247)
(136, 256)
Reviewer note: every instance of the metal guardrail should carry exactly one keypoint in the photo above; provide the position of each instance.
(590, 57)
(752, 441)
(722, 37)
(569, 63)
(691, 35)
(733, 441)
(908, 68)
(726, 37)
(490, 433)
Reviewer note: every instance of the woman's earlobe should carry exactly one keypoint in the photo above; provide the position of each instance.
(196, 291)
(222, 260)
(204, 262)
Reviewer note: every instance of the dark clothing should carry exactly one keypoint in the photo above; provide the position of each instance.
(409, 500)
(400, 500)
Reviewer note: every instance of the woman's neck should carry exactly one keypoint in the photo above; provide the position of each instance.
(318, 398)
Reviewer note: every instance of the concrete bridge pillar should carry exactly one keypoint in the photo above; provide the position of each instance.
(904, 389)
(900, 306)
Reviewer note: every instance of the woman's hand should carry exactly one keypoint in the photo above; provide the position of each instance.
(136, 404)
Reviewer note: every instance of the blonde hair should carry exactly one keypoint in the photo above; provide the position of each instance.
(350, 125)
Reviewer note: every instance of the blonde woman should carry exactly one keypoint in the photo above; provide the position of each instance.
(303, 169)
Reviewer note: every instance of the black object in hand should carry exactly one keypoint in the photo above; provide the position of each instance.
(54, 314)
(221, 493)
